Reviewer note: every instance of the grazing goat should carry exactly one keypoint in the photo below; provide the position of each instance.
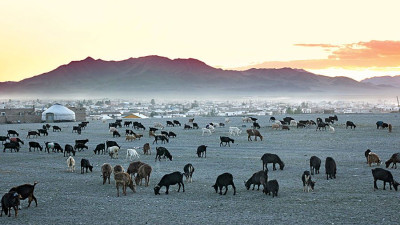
(56, 128)
(71, 164)
(161, 151)
(307, 182)
(84, 141)
(272, 158)
(130, 138)
(224, 180)
(12, 146)
(100, 147)
(144, 171)
(112, 129)
(68, 149)
(366, 153)
(234, 131)
(111, 143)
(106, 170)
(43, 131)
(26, 191)
(202, 150)
(132, 154)
(206, 131)
(226, 140)
(3, 139)
(85, 165)
(188, 172)
(162, 138)
(170, 124)
(168, 180)
(195, 126)
(176, 122)
(35, 145)
(350, 124)
(330, 168)
(381, 124)
(80, 147)
(385, 176)
(285, 127)
(125, 180)
(53, 146)
(32, 133)
(258, 178)
(256, 125)
(394, 159)
(113, 152)
(275, 126)
(12, 132)
(315, 164)
(255, 133)
(146, 149)
(373, 158)
(134, 167)
(186, 127)
(272, 186)
(8, 201)
(171, 134)
(116, 134)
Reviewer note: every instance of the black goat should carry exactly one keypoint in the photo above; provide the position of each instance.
(202, 150)
(170, 179)
(100, 147)
(69, 149)
(85, 165)
(12, 146)
(272, 187)
(26, 191)
(307, 182)
(35, 145)
(315, 164)
(12, 132)
(56, 128)
(161, 151)
(162, 138)
(257, 179)
(226, 140)
(224, 180)
(385, 176)
(350, 124)
(188, 172)
(330, 168)
(80, 147)
(8, 201)
(272, 158)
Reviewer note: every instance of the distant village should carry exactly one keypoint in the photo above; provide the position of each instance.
(30, 111)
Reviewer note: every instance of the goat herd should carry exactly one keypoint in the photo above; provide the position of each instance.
(137, 170)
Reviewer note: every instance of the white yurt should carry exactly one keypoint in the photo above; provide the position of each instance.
(58, 113)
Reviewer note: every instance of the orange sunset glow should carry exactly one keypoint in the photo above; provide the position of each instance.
(358, 39)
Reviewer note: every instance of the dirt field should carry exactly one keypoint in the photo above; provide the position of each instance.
(75, 198)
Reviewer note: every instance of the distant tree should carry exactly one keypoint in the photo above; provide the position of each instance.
(298, 111)
(289, 110)
(152, 114)
(153, 102)
(99, 103)
(194, 104)
(108, 102)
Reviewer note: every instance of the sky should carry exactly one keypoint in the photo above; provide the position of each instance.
(358, 39)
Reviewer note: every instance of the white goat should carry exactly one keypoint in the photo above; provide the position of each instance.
(331, 129)
(132, 153)
(71, 164)
(112, 129)
(158, 125)
(234, 131)
(113, 152)
(206, 130)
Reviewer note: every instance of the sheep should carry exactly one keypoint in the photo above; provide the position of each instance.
(202, 150)
(272, 186)
(272, 158)
(385, 176)
(85, 165)
(143, 172)
(71, 164)
(130, 138)
(125, 180)
(330, 168)
(113, 152)
(168, 180)
(307, 182)
(131, 153)
(373, 158)
(26, 191)
(257, 179)
(134, 167)
(8, 201)
(315, 164)
(188, 172)
(224, 180)
(394, 159)
(106, 170)
(118, 169)
(146, 149)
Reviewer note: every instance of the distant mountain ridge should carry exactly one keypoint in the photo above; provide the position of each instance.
(393, 81)
(161, 76)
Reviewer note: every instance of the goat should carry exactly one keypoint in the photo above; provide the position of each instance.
(12, 132)
(171, 134)
(234, 131)
(206, 130)
(366, 153)
(144, 171)
(188, 170)
(373, 158)
(146, 149)
(272, 158)
(26, 191)
(315, 164)
(118, 169)
(224, 180)
(85, 165)
(394, 159)
(170, 124)
(275, 126)
(56, 128)
(272, 186)
(80, 147)
(134, 167)
(330, 168)
(43, 131)
(35, 145)
(226, 140)
(100, 147)
(12, 146)
(71, 164)
(385, 176)
(130, 138)
(106, 171)
(202, 150)
(168, 180)
(350, 124)
(161, 151)
(176, 122)
(255, 133)
(125, 180)
(32, 133)
(116, 134)
(68, 150)
(307, 182)
(8, 201)
(132, 153)
(162, 138)
(258, 178)
(113, 152)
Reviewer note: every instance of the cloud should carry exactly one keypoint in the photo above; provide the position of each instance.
(373, 54)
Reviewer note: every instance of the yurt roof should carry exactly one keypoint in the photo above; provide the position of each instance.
(58, 109)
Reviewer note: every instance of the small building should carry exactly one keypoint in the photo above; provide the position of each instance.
(58, 113)
(20, 115)
(80, 113)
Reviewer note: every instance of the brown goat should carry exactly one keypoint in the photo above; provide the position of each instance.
(143, 172)
(394, 159)
(146, 149)
(255, 133)
(373, 158)
(125, 180)
(106, 171)
(130, 137)
(151, 133)
(138, 136)
(134, 167)
(118, 169)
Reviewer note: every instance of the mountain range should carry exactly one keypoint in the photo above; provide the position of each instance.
(156, 76)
